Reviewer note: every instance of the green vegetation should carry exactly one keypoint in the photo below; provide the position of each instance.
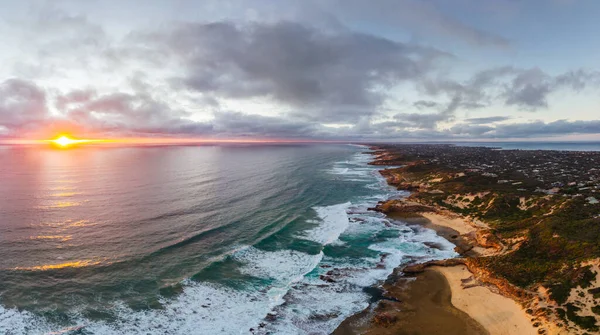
(554, 245)
(585, 322)
(553, 233)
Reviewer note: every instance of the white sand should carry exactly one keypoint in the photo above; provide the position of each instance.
(497, 314)
(457, 223)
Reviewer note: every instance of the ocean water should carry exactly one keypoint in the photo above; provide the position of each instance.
(533, 145)
(195, 240)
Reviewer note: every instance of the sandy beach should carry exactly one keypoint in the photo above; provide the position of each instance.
(415, 305)
(460, 304)
(499, 315)
(504, 233)
(494, 313)
(457, 223)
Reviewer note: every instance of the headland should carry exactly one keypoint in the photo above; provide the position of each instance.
(526, 224)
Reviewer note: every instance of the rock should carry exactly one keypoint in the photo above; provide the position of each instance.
(384, 319)
(417, 268)
(400, 207)
(463, 248)
(323, 317)
(327, 279)
(466, 280)
(434, 245)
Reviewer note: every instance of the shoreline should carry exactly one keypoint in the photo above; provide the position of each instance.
(498, 314)
(471, 307)
(407, 306)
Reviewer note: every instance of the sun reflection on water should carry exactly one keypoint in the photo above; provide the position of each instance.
(65, 194)
(45, 267)
(60, 204)
(62, 238)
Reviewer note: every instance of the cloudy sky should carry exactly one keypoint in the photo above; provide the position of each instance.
(309, 69)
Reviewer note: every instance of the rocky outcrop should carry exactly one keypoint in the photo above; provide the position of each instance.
(401, 207)
(486, 239)
(420, 267)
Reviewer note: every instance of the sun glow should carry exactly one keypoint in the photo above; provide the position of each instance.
(64, 141)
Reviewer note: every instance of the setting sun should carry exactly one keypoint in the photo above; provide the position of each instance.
(64, 141)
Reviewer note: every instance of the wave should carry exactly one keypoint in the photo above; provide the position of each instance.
(298, 292)
(333, 222)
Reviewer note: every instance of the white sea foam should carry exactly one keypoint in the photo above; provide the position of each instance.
(333, 222)
(316, 309)
(200, 309)
(298, 299)
(283, 265)
(16, 322)
(317, 306)
(355, 169)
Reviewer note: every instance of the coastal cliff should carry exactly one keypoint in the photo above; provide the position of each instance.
(524, 222)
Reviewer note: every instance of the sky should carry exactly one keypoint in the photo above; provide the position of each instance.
(344, 70)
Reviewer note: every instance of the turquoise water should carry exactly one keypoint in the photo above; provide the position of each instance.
(194, 240)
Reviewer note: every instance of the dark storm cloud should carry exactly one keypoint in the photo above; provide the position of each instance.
(337, 77)
(22, 104)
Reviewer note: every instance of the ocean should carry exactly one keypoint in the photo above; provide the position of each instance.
(237, 239)
(539, 145)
